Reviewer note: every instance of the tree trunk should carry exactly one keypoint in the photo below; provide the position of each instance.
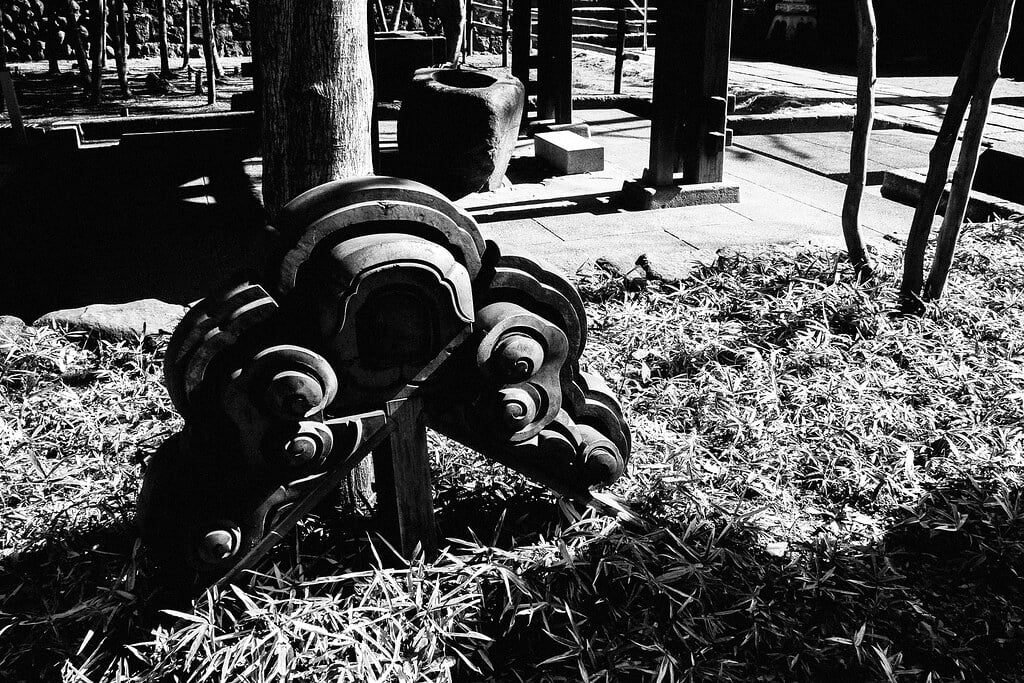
(938, 167)
(121, 46)
(316, 96)
(211, 75)
(75, 36)
(967, 165)
(165, 62)
(186, 37)
(99, 50)
(866, 77)
(213, 40)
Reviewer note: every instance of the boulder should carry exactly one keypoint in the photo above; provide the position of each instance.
(118, 321)
(11, 328)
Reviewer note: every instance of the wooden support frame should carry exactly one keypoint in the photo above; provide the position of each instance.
(690, 110)
(405, 504)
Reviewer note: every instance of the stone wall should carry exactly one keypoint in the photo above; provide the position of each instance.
(37, 29)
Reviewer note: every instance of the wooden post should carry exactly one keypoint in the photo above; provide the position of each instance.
(554, 67)
(522, 44)
(211, 77)
(967, 165)
(708, 85)
(165, 64)
(470, 30)
(866, 77)
(99, 50)
(504, 33)
(620, 45)
(405, 505)
(186, 35)
(121, 46)
(667, 106)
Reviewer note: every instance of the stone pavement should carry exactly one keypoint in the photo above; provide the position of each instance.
(790, 189)
(572, 221)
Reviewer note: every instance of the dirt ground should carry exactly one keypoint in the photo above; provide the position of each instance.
(45, 99)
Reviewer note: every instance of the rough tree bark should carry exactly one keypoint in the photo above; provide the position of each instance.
(866, 76)
(967, 164)
(99, 50)
(316, 96)
(910, 300)
(186, 35)
(165, 63)
(211, 69)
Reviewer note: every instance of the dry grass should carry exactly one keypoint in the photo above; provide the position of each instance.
(832, 493)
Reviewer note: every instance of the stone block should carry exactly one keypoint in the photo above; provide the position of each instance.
(568, 152)
(639, 196)
(118, 321)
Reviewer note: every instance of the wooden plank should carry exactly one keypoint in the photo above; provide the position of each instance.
(401, 465)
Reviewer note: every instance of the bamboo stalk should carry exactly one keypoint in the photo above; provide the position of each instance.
(938, 168)
(867, 75)
(967, 164)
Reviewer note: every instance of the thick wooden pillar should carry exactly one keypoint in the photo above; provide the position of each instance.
(667, 107)
(691, 84)
(707, 118)
(554, 70)
(522, 48)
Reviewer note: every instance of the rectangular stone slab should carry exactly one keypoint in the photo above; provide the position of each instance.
(568, 152)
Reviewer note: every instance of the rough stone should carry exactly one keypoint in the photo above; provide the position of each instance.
(457, 129)
(11, 328)
(118, 321)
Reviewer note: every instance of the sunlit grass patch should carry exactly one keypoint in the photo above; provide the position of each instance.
(831, 493)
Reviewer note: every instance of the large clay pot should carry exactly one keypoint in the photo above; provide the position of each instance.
(458, 128)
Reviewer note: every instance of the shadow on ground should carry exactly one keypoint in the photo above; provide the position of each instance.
(941, 593)
(164, 215)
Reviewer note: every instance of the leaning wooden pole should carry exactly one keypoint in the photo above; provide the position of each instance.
(970, 147)
(75, 36)
(938, 168)
(867, 75)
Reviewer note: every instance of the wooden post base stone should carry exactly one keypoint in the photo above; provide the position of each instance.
(639, 196)
(569, 153)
